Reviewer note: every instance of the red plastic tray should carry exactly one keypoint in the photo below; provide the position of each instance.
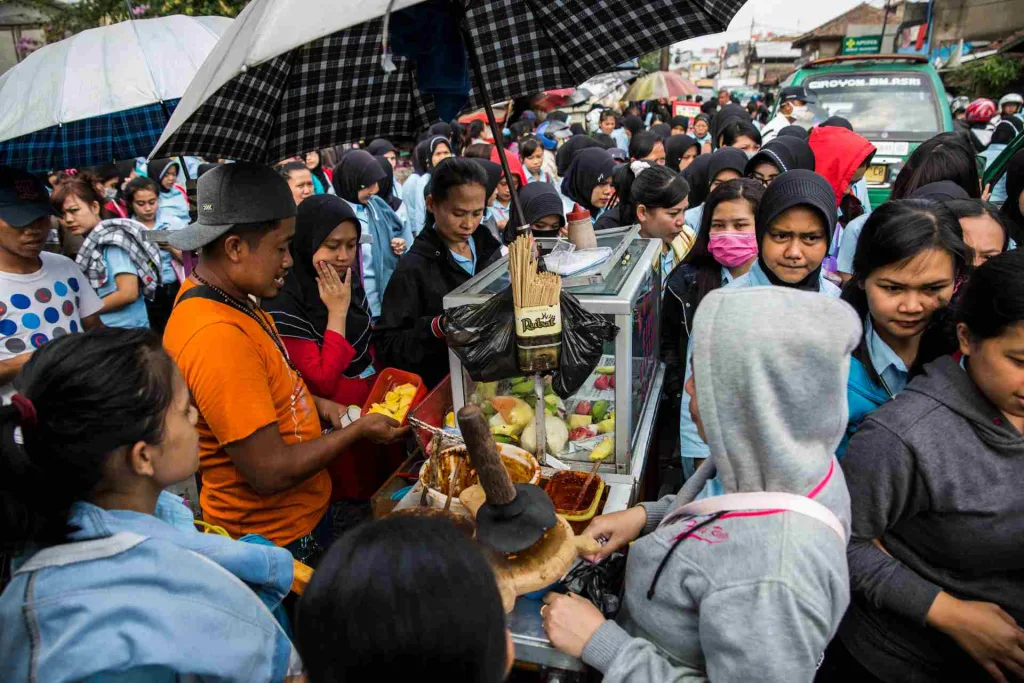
(432, 410)
(388, 380)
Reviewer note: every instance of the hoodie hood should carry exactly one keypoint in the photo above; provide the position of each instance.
(945, 382)
(785, 153)
(514, 165)
(837, 155)
(771, 384)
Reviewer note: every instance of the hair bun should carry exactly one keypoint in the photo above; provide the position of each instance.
(638, 167)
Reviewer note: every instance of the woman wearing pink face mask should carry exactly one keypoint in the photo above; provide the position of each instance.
(725, 249)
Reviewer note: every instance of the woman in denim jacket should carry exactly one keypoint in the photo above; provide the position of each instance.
(113, 583)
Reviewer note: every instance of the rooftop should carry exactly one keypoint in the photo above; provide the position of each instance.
(836, 27)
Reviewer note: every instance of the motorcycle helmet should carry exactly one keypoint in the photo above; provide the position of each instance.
(980, 111)
(1011, 98)
(959, 105)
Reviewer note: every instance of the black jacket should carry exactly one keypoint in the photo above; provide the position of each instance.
(678, 307)
(404, 336)
(610, 219)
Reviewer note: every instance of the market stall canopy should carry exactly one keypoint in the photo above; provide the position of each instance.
(103, 94)
(290, 76)
(660, 85)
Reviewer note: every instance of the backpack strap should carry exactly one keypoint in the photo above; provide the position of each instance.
(764, 501)
(200, 292)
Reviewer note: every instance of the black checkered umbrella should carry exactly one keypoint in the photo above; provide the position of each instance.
(263, 95)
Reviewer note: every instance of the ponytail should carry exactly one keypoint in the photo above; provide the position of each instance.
(84, 396)
(640, 182)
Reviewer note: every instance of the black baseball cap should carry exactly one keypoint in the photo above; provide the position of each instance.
(796, 92)
(231, 194)
(23, 198)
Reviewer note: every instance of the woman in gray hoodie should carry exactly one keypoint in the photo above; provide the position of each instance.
(935, 476)
(751, 595)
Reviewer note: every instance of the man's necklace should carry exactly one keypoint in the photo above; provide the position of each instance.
(244, 307)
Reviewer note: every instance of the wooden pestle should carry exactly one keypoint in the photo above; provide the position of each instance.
(483, 454)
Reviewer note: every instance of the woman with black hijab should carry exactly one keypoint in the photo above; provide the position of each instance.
(357, 180)
(795, 221)
(778, 156)
(680, 125)
(723, 165)
(386, 188)
(322, 317)
(730, 113)
(662, 130)
(436, 149)
(588, 182)
(680, 151)
(565, 153)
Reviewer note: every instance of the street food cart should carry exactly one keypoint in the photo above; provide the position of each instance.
(628, 380)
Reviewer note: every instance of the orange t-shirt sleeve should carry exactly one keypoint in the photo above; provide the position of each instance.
(227, 376)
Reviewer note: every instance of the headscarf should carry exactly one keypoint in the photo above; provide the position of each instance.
(675, 148)
(577, 129)
(379, 147)
(794, 131)
(493, 171)
(357, 171)
(727, 158)
(679, 122)
(297, 309)
(785, 154)
(838, 121)
(796, 188)
(1014, 187)
(942, 191)
(419, 155)
(540, 200)
(157, 169)
(633, 124)
(726, 115)
(696, 176)
(432, 146)
(662, 130)
(565, 153)
(386, 185)
(441, 129)
(589, 168)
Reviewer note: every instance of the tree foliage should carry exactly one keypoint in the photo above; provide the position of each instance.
(989, 77)
(84, 14)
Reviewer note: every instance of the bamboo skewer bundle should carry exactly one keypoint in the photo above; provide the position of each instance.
(530, 288)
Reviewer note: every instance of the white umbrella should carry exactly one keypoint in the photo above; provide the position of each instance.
(98, 95)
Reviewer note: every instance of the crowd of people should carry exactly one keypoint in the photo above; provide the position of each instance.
(857, 369)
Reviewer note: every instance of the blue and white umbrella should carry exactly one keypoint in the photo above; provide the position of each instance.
(101, 95)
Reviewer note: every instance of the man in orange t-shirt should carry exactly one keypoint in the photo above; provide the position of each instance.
(262, 456)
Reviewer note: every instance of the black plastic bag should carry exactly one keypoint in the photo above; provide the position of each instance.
(483, 336)
(601, 583)
(583, 337)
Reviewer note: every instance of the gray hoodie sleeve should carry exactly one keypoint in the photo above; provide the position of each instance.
(622, 658)
(766, 627)
(884, 489)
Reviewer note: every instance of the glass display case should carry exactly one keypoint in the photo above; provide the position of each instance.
(616, 405)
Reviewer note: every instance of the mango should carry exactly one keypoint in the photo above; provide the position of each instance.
(606, 426)
(599, 410)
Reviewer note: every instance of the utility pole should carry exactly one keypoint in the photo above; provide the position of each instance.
(750, 53)
(885, 22)
(665, 56)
